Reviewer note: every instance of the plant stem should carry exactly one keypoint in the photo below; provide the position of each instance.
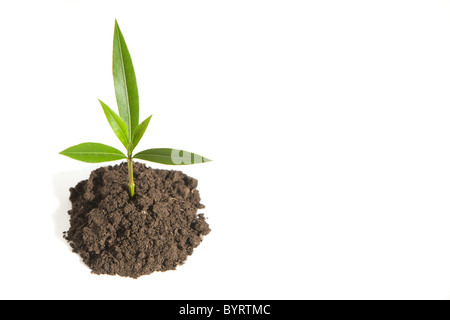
(130, 176)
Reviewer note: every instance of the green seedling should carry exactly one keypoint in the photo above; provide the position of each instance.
(126, 125)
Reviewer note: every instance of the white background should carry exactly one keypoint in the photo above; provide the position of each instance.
(328, 123)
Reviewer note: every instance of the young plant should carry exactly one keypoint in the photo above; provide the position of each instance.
(126, 125)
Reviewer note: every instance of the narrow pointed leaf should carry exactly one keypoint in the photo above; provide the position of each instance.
(139, 132)
(117, 124)
(125, 82)
(93, 153)
(170, 156)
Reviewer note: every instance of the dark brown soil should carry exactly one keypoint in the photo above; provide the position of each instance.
(154, 231)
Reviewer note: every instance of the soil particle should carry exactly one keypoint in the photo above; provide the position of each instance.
(154, 231)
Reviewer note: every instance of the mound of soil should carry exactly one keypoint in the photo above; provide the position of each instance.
(156, 230)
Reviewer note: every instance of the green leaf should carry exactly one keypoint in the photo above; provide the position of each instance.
(93, 153)
(170, 156)
(125, 83)
(117, 124)
(139, 132)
